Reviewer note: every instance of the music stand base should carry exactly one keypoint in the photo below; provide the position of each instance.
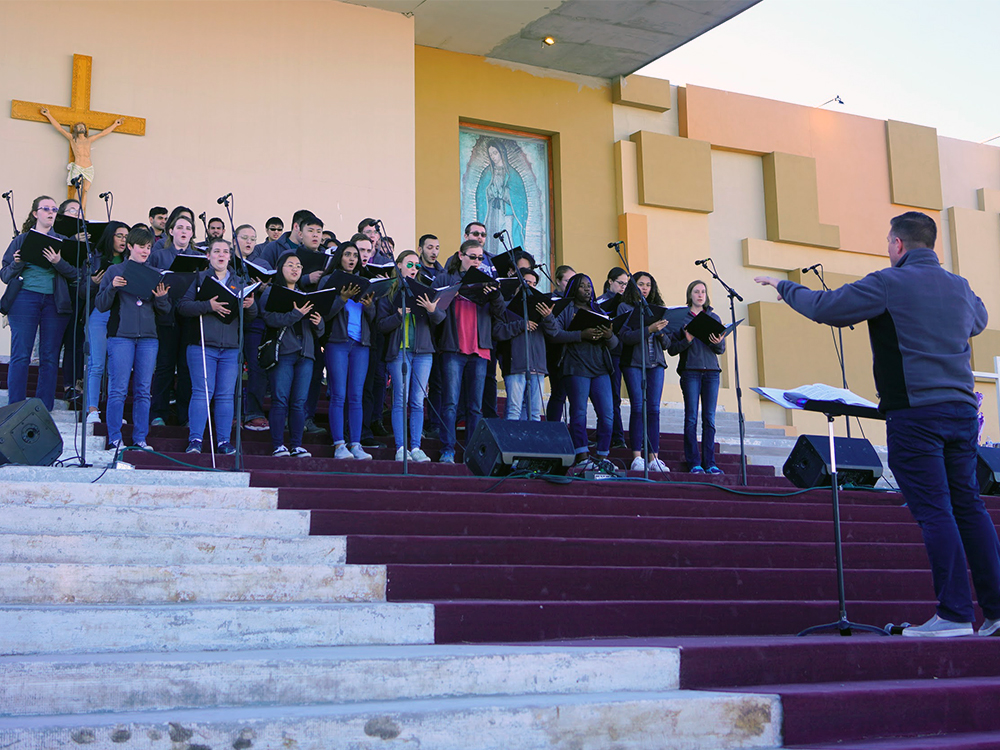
(844, 627)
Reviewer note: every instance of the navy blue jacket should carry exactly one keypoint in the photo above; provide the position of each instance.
(336, 322)
(920, 319)
(274, 249)
(695, 354)
(587, 358)
(64, 273)
(511, 331)
(390, 323)
(131, 317)
(218, 335)
(301, 336)
(631, 349)
(448, 330)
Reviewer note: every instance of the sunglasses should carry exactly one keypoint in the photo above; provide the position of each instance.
(477, 234)
(474, 257)
(411, 265)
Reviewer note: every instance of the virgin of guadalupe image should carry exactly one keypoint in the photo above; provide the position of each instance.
(501, 201)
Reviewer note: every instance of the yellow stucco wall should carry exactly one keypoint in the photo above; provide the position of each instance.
(453, 88)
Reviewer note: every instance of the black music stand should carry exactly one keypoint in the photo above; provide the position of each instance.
(833, 409)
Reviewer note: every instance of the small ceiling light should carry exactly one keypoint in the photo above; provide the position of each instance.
(548, 41)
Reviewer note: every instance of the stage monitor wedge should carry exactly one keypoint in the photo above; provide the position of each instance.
(28, 436)
(808, 465)
(499, 447)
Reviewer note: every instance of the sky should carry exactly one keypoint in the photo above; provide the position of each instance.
(928, 62)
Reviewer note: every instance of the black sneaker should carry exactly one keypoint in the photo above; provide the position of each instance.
(378, 429)
(370, 442)
(311, 428)
(194, 447)
(618, 443)
(225, 449)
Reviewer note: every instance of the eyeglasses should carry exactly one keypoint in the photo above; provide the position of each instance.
(121, 235)
(474, 257)
(411, 265)
(49, 209)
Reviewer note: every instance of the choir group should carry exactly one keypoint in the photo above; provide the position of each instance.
(354, 318)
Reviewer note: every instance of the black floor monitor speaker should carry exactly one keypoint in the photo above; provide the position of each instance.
(501, 446)
(808, 465)
(988, 471)
(28, 436)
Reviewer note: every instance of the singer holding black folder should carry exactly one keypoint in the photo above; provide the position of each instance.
(699, 371)
(37, 301)
(920, 319)
(586, 369)
(132, 342)
(110, 251)
(213, 358)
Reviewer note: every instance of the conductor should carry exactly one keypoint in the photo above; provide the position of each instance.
(920, 319)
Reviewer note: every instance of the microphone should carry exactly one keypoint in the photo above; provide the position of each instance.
(76, 181)
(498, 235)
(102, 196)
(702, 262)
(224, 198)
(812, 268)
(615, 244)
(202, 215)
(7, 195)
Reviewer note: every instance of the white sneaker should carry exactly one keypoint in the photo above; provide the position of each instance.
(657, 465)
(300, 452)
(938, 627)
(990, 627)
(359, 453)
(340, 452)
(399, 454)
(418, 456)
(94, 417)
(638, 464)
(279, 451)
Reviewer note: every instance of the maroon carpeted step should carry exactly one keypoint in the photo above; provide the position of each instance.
(351, 498)
(954, 741)
(472, 550)
(825, 712)
(340, 522)
(595, 582)
(504, 622)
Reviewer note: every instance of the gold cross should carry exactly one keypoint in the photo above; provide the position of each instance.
(79, 108)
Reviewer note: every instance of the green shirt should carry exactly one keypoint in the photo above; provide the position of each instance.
(38, 279)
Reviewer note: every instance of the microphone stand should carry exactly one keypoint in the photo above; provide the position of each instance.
(9, 197)
(81, 223)
(204, 223)
(405, 385)
(240, 268)
(109, 201)
(643, 311)
(524, 300)
(818, 270)
(734, 295)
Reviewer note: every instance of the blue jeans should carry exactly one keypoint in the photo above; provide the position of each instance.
(617, 428)
(463, 374)
(33, 313)
(256, 375)
(222, 376)
(413, 388)
(654, 392)
(135, 358)
(933, 454)
(97, 331)
(435, 394)
(578, 388)
(515, 383)
(346, 367)
(289, 389)
(703, 385)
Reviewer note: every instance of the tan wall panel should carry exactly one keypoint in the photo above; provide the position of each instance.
(914, 167)
(674, 172)
(965, 168)
(975, 251)
(783, 257)
(791, 202)
(451, 87)
(634, 230)
(988, 200)
(641, 91)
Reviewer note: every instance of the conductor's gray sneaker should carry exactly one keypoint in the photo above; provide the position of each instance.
(990, 627)
(938, 627)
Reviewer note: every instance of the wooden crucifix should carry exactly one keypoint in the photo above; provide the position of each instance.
(79, 118)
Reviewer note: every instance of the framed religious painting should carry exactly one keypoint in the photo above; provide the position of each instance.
(506, 183)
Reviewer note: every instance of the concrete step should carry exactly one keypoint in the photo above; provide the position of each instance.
(71, 583)
(285, 524)
(81, 629)
(345, 674)
(206, 480)
(677, 719)
(171, 549)
(33, 494)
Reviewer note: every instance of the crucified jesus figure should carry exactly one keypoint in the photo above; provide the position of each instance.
(80, 143)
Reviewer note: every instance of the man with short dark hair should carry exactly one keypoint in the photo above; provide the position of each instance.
(216, 229)
(920, 319)
(429, 248)
(157, 220)
(289, 241)
(274, 227)
(476, 231)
